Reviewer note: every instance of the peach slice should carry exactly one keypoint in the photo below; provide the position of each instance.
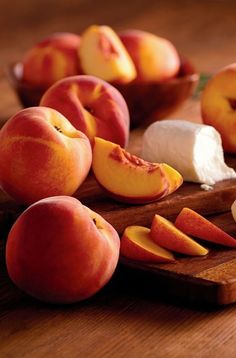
(137, 245)
(130, 179)
(102, 54)
(165, 234)
(196, 225)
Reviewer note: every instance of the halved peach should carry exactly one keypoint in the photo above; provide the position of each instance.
(130, 179)
(192, 223)
(164, 233)
(137, 245)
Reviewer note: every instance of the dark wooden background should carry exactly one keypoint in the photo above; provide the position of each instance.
(126, 319)
(199, 29)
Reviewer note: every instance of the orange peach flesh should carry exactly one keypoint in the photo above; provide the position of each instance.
(137, 245)
(165, 234)
(129, 178)
(102, 54)
(196, 225)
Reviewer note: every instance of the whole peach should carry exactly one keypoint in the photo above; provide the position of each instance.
(41, 155)
(52, 59)
(218, 105)
(92, 105)
(155, 58)
(60, 251)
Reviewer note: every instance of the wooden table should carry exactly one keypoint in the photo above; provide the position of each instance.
(126, 319)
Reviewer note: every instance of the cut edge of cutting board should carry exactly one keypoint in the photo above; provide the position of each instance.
(189, 288)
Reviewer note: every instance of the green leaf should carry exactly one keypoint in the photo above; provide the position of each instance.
(204, 78)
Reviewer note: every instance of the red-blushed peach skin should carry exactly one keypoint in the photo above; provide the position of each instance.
(137, 245)
(92, 105)
(59, 251)
(165, 234)
(53, 58)
(130, 179)
(192, 223)
(42, 154)
(218, 105)
(136, 200)
(155, 58)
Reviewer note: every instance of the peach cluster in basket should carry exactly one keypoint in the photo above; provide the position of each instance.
(145, 68)
(59, 250)
(131, 55)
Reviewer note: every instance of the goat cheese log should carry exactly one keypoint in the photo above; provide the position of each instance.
(194, 150)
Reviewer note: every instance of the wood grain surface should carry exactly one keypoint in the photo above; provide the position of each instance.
(130, 317)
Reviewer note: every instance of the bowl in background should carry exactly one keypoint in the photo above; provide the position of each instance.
(147, 102)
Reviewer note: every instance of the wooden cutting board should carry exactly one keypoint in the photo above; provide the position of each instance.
(210, 279)
(206, 280)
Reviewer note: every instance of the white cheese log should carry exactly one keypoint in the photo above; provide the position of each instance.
(195, 150)
(233, 210)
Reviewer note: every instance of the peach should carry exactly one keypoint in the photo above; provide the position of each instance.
(218, 105)
(52, 59)
(102, 54)
(136, 245)
(155, 58)
(196, 225)
(130, 179)
(233, 210)
(42, 154)
(165, 234)
(92, 105)
(60, 251)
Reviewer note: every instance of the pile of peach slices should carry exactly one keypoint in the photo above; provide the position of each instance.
(156, 245)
